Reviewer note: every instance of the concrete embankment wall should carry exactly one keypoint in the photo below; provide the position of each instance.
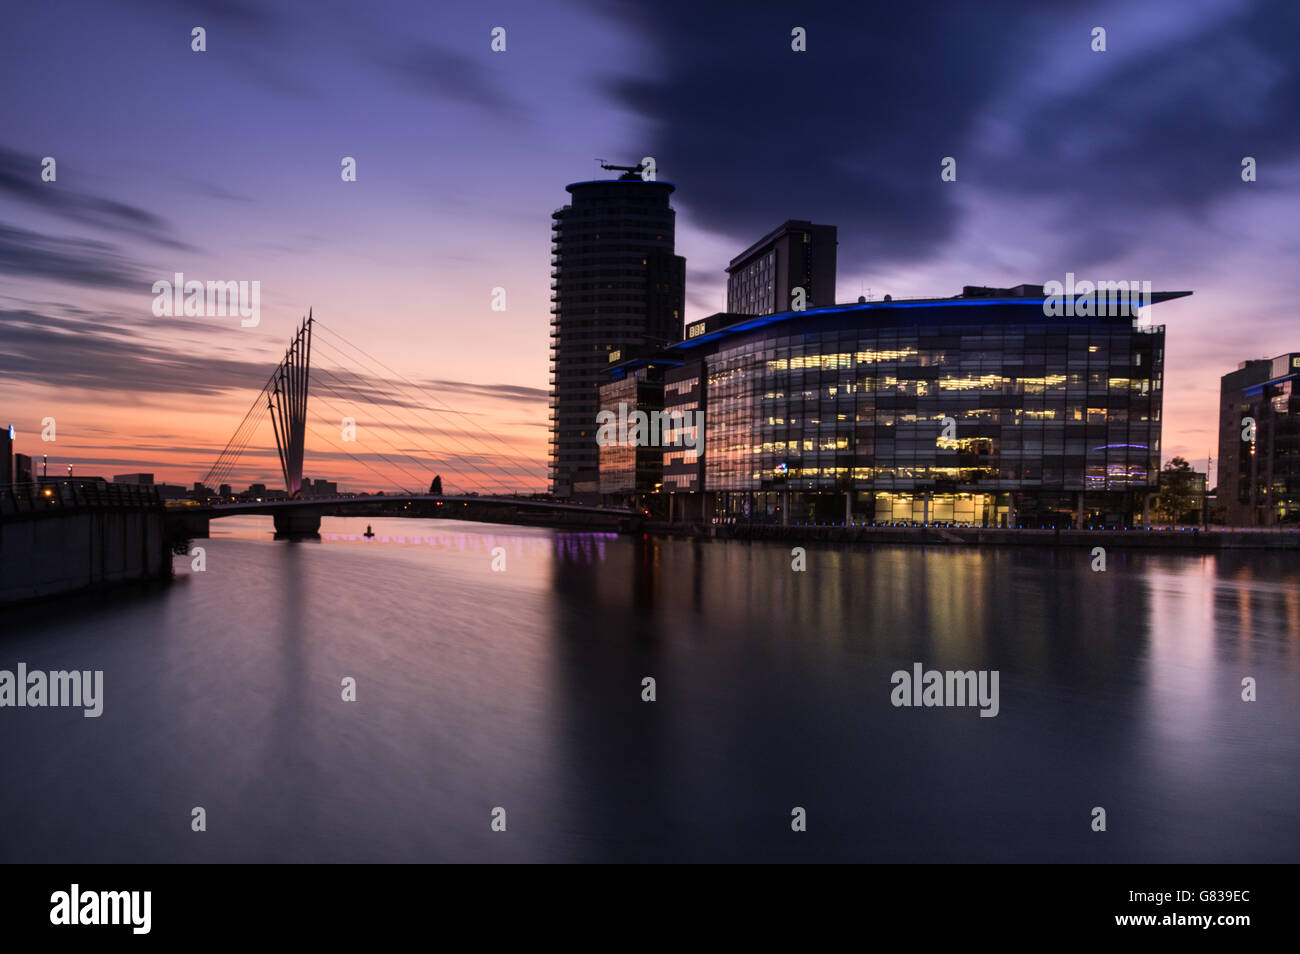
(46, 554)
(974, 536)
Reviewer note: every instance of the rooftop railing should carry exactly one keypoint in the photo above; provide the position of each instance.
(75, 495)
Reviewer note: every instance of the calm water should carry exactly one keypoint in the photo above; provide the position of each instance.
(522, 689)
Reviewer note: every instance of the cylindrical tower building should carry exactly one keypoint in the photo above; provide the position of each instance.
(616, 285)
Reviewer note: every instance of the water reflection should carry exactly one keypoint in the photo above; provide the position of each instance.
(525, 688)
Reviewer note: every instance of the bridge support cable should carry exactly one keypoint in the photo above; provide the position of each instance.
(446, 409)
(514, 453)
(224, 467)
(442, 459)
(386, 480)
(469, 453)
(357, 458)
(455, 463)
(425, 467)
(235, 445)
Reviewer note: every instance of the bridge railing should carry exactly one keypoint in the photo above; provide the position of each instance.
(76, 495)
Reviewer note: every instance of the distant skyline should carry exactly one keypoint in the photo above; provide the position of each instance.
(225, 165)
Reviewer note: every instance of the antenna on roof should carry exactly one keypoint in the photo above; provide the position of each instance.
(629, 172)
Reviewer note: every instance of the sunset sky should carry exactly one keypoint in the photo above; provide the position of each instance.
(225, 165)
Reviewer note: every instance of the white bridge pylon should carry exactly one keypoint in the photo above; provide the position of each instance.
(287, 401)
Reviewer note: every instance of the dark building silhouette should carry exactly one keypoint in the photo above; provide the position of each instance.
(796, 254)
(1259, 478)
(616, 286)
(319, 487)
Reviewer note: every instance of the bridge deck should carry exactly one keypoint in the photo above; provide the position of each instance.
(332, 503)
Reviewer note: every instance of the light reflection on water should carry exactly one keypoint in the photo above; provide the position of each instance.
(521, 688)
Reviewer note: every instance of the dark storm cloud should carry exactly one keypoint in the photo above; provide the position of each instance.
(20, 179)
(1167, 131)
(705, 288)
(252, 38)
(107, 353)
(352, 385)
(852, 131)
(708, 277)
(501, 392)
(255, 17)
(439, 72)
(73, 261)
(213, 191)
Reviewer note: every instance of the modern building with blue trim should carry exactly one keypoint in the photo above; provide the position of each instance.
(980, 409)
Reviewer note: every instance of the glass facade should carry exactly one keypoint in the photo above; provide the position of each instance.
(797, 253)
(935, 410)
(625, 466)
(752, 290)
(683, 467)
(1259, 464)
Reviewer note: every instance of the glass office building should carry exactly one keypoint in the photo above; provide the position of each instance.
(979, 409)
(1259, 443)
(796, 254)
(629, 468)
